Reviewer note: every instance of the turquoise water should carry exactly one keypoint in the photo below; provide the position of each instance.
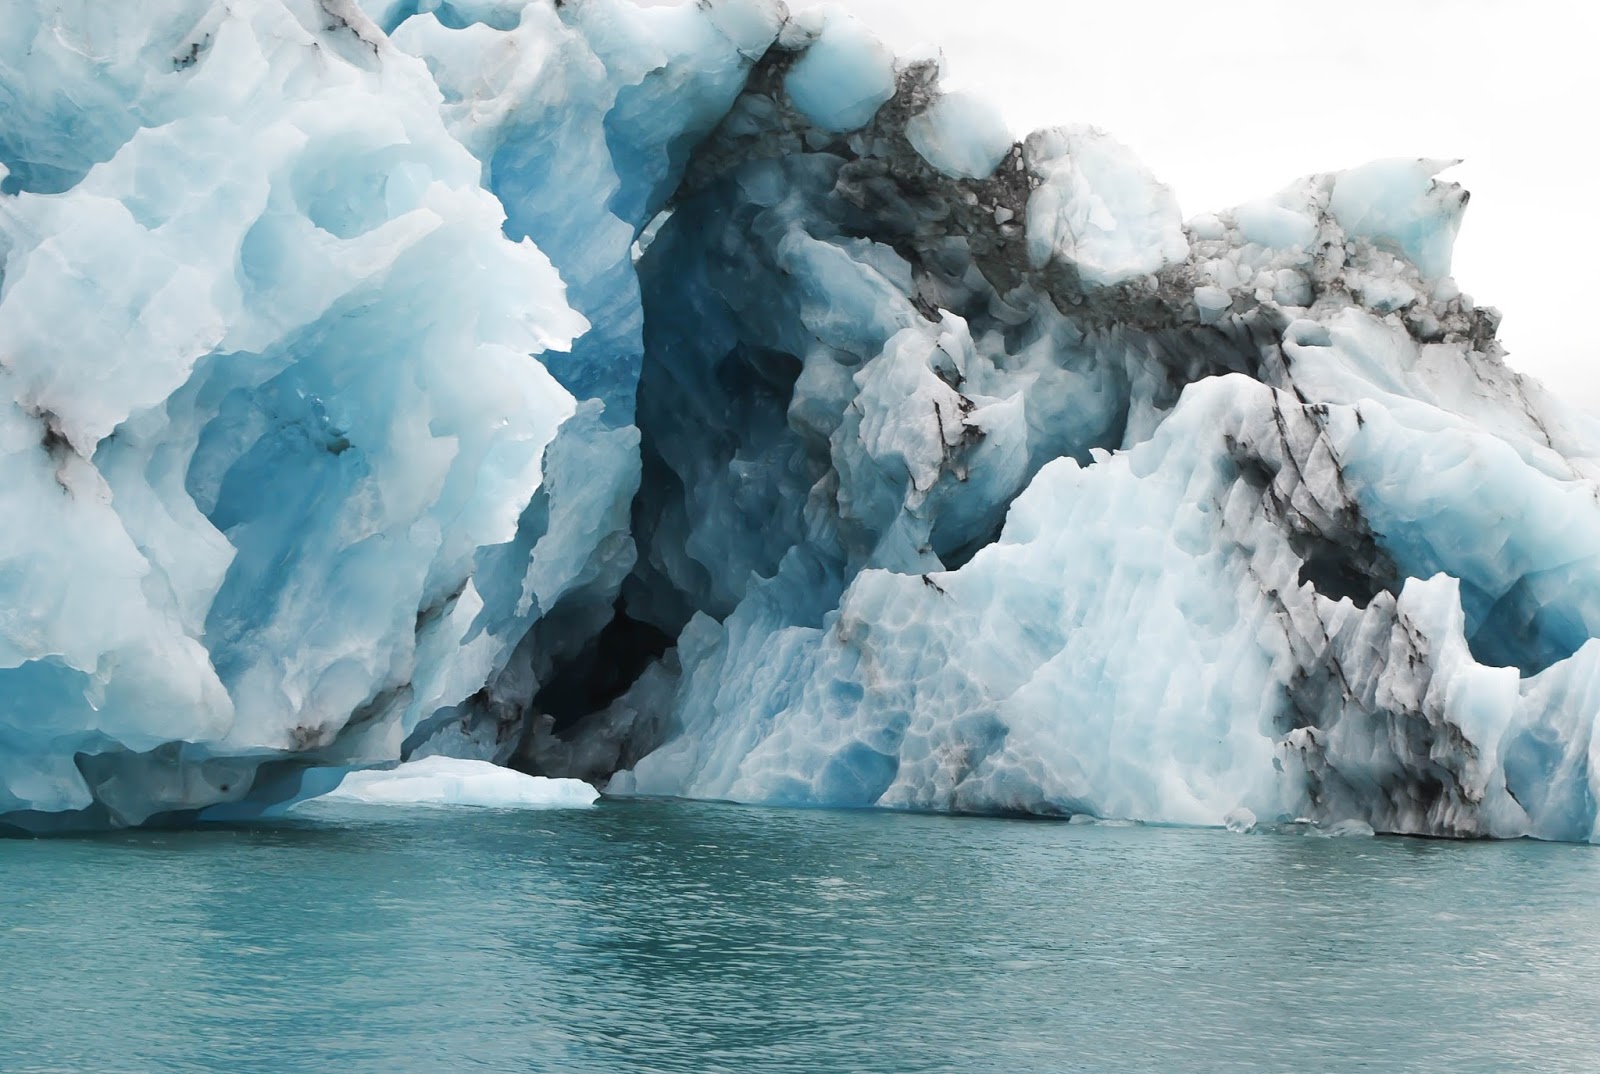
(654, 936)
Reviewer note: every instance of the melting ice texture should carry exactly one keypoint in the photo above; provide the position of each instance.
(695, 398)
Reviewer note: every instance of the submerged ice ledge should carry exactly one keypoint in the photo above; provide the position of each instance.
(695, 400)
(449, 781)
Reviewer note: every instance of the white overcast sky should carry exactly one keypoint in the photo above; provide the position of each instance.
(1231, 99)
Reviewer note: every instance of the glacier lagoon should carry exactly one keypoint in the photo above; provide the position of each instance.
(694, 400)
(649, 936)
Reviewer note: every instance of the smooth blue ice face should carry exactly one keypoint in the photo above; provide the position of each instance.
(693, 395)
(961, 134)
(842, 79)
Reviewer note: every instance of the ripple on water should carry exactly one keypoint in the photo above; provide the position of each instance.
(674, 937)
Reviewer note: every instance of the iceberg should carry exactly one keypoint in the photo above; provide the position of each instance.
(696, 400)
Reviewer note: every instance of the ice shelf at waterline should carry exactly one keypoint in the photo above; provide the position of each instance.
(694, 400)
(451, 781)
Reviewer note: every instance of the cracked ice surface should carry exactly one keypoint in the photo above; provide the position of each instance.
(696, 398)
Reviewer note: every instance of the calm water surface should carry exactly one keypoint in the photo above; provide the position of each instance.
(653, 936)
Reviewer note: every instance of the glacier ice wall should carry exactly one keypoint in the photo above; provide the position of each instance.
(696, 398)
